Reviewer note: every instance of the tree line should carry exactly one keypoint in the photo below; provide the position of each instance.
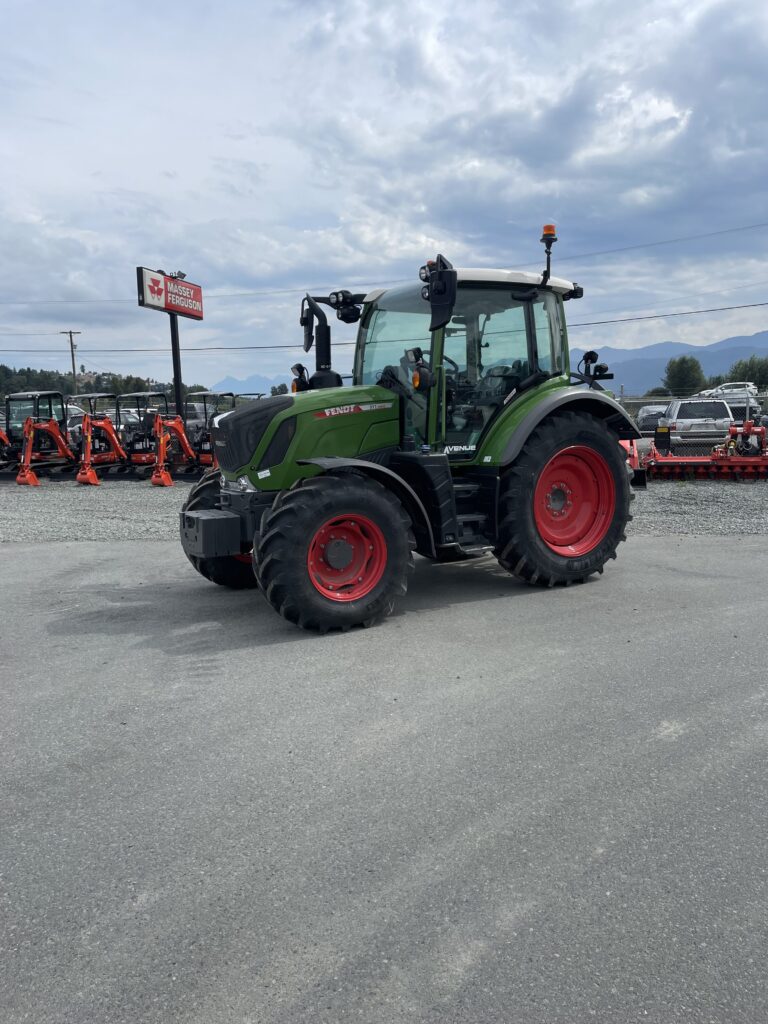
(684, 376)
(28, 379)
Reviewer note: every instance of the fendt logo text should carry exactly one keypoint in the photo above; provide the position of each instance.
(346, 410)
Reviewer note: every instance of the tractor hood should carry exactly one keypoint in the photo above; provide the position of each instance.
(346, 421)
(236, 435)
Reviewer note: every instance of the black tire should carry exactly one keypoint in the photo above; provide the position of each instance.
(535, 512)
(292, 533)
(227, 571)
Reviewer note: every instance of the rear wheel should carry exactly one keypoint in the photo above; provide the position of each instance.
(564, 503)
(334, 552)
(235, 572)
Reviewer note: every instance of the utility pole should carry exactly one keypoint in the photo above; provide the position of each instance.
(72, 349)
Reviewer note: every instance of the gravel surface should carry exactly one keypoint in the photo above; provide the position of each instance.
(61, 510)
(134, 510)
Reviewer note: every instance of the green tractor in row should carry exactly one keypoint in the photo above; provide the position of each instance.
(465, 431)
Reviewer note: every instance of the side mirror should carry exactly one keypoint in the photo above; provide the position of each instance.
(305, 320)
(440, 290)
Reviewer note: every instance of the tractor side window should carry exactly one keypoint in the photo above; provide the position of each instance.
(547, 326)
(57, 409)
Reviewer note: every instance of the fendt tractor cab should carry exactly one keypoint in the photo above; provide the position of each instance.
(464, 431)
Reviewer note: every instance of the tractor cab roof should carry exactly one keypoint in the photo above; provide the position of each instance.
(483, 275)
(91, 396)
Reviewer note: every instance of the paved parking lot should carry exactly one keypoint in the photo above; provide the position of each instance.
(502, 805)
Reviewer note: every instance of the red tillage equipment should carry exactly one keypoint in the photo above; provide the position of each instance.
(743, 455)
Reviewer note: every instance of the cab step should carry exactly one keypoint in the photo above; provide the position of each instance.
(472, 531)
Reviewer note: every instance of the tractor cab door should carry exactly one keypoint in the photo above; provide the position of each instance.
(496, 345)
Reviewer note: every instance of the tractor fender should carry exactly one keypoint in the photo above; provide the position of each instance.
(595, 403)
(408, 497)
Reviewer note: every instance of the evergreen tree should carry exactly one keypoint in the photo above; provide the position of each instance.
(754, 369)
(684, 376)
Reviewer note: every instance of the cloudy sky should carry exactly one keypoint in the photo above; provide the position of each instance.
(279, 145)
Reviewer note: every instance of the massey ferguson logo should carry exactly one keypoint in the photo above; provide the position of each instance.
(167, 293)
(346, 410)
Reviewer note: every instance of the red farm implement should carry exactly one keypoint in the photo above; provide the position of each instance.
(742, 455)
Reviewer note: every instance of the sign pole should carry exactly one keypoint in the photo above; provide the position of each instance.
(176, 355)
(174, 295)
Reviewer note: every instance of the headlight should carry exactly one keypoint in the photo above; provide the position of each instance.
(245, 484)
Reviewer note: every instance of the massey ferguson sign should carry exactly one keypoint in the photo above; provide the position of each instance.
(169, 294)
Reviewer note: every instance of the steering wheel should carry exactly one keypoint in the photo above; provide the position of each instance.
(455, 365)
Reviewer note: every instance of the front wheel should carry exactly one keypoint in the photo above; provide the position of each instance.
(334, 552)
(564, 503)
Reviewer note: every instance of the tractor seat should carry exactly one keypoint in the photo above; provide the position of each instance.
(497, 383)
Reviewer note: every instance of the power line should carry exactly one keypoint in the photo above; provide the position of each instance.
(320, 288)
(338, 344)
(662, 316)
(665, 241)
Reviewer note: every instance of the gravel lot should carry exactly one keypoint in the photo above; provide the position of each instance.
(134, 510)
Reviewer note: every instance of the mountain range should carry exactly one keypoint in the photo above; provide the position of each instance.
(636, 370)
(639, 369)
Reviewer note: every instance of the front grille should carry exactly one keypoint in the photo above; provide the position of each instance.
(279, 444)
(238, 434)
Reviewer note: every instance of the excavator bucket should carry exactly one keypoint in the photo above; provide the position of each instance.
(27, 477)
(161, 477)
(87, 475)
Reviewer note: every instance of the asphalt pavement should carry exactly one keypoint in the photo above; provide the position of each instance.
(501, 805)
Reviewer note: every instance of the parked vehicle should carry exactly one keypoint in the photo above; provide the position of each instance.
(732, 388)
(738, 406)
(698, 418)
(648, 416)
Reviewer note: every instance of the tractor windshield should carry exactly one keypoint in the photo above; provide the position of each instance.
(398, 321)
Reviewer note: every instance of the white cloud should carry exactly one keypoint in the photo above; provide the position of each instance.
(293, 145)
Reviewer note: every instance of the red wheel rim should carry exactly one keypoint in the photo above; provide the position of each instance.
(574, 501)
(347, 557)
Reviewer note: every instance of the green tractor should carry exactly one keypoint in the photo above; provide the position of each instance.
(465, 431)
